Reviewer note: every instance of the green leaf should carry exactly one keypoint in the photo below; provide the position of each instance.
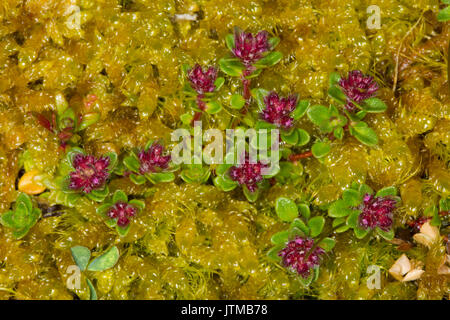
(273, 253)
(303, 137)
(20, 233)
(374, 105)
(294, 232)
(137, 179)
(444, 15)
(20, 215)
(119, 195)
(338, 221)
(81, 256)
(290, 137)
(123, 231)
(186, 118)
(306, 282)
(389, 235)
(320, 149)
(160, 177)
(318, 114)
(112, 159)
(98, 195)
(353, 219)
(7, 219)
(132, 163)
(138, 204)
(360, 233)
(229, 41)
(273, 42)
(264, 125)
(334, 79)
(224, 184)
(336, 93)
(342, 229)
(364, 134)
(112, 223)
(338, 133)
(222, 168)
(365, 189)
(300, 110)
(92, 292)
(259, 95)
(298, 223)
(237, 101)
(106, 261)
(316, 225)
(352, 197)
(436, 220)
(251, 196)
(219, 83)
(103, 209)
(444, 204)
(304, 210)
(26, 200)
(213, 107)
(67, 118)
(339, 209)
(231, 66)
(72, 153)
(286, 209)
(88, 120)
(280, 237)
(327, 244)
(61, 104)
(388, 191)
(269, 60)
(274, 170)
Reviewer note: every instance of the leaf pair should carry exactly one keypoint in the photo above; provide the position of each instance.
(81, 255)
(195, 173)
(22, 218)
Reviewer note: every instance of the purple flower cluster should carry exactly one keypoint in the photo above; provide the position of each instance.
(300, 256)
(249, 48)
(202, 81)
(247, 173)
(122, 212)
(377, 212)
(357, 87)
(278, 110)
(90, 173)
(153, 160)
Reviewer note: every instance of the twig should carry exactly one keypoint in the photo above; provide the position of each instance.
(397, 58)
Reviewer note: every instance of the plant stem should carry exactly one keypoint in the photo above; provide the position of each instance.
(304, 155)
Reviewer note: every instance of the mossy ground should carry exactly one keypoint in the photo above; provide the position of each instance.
(194, 241)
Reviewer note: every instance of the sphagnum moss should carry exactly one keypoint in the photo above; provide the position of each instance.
(192, 240)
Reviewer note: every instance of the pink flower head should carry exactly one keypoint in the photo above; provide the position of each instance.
(122, 212)
(278, 110)
(300, 257)
(249, 48)
(90, 173)
(247, 173)
(357, 87)
(153, 160)
(202, 81)
(377, 212)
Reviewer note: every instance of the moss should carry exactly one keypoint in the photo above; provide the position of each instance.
(195, 241)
